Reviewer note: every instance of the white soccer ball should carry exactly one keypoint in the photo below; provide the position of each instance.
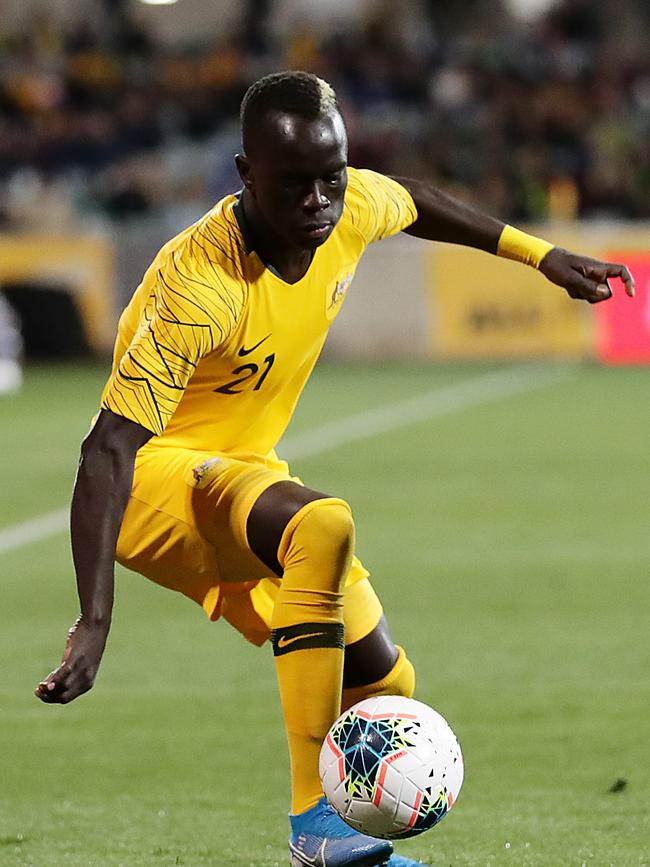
(391, 767)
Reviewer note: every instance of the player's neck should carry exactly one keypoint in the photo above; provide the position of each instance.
(289, 262)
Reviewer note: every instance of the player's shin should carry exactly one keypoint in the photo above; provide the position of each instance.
(308, 635)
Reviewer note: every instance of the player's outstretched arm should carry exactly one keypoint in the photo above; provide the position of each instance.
(443, 218)
(101, 493)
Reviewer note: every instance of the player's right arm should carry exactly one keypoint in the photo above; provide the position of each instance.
(191, 307)
(101, 493)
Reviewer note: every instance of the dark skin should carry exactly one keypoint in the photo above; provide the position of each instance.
(294, 179)
(443, 218)
(294, 187)
(101, 493)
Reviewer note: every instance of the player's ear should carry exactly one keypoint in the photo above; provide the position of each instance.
(245, 172)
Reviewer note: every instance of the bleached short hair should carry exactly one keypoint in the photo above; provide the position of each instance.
(293, 92)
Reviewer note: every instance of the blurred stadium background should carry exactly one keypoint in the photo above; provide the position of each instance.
(119, 124)
(505, 420)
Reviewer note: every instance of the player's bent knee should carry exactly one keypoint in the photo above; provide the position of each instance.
(315, 554)
(270, 516)
(323, 532)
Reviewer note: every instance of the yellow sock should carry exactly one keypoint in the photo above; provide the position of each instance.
(308, 636)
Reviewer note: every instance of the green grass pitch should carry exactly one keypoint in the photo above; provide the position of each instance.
(509, 542)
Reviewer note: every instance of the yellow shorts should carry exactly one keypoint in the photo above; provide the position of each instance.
(185, 528)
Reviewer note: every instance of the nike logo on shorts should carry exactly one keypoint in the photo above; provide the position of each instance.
(243, 351)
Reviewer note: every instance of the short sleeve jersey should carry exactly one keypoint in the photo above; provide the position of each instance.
(214, 348)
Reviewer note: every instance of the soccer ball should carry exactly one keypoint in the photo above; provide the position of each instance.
(391, 767)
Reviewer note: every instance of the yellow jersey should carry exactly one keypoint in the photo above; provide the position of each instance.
(214, 348)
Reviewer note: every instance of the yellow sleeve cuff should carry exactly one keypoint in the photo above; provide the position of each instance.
(518, 245)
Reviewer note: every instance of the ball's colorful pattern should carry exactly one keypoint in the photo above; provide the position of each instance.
(364, 741)
(391, 767)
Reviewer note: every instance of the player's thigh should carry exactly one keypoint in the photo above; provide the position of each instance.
(167, 550)
(185, 524)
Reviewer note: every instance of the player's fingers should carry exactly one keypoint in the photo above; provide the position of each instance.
(49, 699)
(591, 290)
(48, 686)
(61, 694)
(77, 686)
(604, 270)
(624, 274)
(604, 294)
(79, 681)
(48, 692)
(72, 693)
(54, 684)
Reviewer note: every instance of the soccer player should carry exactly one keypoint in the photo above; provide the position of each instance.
(178, 478)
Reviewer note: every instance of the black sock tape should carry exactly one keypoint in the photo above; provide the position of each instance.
(305, 636)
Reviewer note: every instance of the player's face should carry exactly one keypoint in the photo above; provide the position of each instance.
(297, 177)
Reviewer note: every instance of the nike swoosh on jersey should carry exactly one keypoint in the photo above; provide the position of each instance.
(285, 642)
(243, 351)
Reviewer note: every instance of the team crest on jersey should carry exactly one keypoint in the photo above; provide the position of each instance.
(201, 474)
(340, 291)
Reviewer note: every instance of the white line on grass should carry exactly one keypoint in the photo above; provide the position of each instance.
(422, 407)
(476, 391)
(20, 535)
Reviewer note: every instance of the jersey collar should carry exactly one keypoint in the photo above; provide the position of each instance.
(246, 233)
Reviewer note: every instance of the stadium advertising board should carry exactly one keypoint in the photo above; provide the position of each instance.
(80, 265)
(623, 325)
(484, 307)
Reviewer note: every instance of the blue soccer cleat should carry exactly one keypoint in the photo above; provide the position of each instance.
(400, 861)
(319, 838)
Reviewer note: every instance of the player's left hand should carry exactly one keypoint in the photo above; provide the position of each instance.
(583, 277)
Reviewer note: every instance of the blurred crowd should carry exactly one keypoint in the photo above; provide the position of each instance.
(549, 120)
